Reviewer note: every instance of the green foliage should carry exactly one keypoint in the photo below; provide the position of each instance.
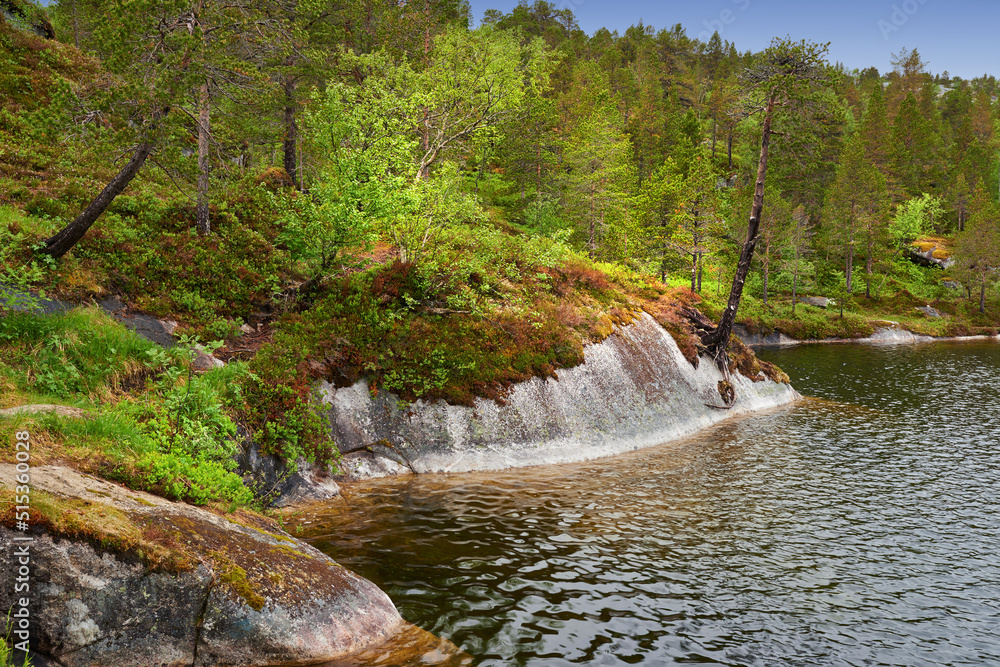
(543, 216)
(20, 268)
(915, 216)
(181, 476)
(179, 440)
(81, 352)
(475, 83)
(487, 310)
(436, 205)
(281, 410)
(978, 249)
(205, 281)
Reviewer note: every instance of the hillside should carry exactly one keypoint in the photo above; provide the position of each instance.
(329, 220)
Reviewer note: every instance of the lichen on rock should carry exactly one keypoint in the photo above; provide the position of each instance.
(124, 578)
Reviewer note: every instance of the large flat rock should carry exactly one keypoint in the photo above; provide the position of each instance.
(635, 389)
(230, 594)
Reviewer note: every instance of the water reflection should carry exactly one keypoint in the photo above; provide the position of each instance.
(854, 529)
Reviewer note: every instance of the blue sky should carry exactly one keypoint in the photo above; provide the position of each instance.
(961, 37)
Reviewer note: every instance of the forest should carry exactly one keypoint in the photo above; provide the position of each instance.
(445, 205)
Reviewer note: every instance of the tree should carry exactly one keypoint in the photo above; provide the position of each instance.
(224, 40)
(978, 249)
(658, 207)
(786, 73)
(961, 198)
(907, 77)
(798, 247)
(367, 175)
(314, 31)
(913, 148)
(476, 80)
(855, 208)
(697, 200)
(775, 227)
(157, 55)
(876, 133)
(139, 48)
(597, 179)
(914, 217)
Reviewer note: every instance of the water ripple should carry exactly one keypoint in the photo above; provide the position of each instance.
(857, 528)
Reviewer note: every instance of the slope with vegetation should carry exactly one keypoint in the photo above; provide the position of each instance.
(382, 191)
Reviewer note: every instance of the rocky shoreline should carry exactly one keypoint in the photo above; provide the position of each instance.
(125, 578)
(635, 389)
(891, 333)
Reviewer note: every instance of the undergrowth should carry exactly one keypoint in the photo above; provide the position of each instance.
(153, 423)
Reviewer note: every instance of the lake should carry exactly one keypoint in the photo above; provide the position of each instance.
(859, 526)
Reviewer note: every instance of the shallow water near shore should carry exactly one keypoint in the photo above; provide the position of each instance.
(855, 527)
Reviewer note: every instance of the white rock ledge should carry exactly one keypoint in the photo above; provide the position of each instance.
(635, 389)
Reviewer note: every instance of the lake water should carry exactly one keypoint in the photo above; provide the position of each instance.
(860, 526)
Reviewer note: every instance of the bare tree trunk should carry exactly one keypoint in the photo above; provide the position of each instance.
(868, 276)
(982, 297)
(849, 268)
(59, 244)
(729, 147)
(204, 120)
(290, 144)
(76, 28)
(795, 280)
(718, 340)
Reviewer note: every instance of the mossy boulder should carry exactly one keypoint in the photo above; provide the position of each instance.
(124, 578)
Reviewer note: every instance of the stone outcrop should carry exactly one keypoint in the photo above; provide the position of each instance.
(43, 408)
(123, 578)
(818, 301)
(635, 389)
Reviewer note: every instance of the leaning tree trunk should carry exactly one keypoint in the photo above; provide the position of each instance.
(717, 341)
(204, 120)
(68, 236)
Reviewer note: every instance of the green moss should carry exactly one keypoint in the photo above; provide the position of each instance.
(236, 577)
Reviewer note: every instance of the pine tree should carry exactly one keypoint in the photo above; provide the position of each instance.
(855, 210)
(786, 74)
(978, 249)
(775, 231)
(876, 133)
(696, 216)
(597, 180)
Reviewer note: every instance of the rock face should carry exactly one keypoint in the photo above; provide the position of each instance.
(818, 301)
(930, 257)
(894, 334)
(755, 340)
(634, 390)
(275, 480)
(929, 312)
(37, 408)
(247, 596)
